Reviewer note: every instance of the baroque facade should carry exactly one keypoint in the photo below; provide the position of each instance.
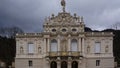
(64, 44)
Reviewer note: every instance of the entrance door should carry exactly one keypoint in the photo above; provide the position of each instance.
(64, 64)
(74, 64)
(53, 64)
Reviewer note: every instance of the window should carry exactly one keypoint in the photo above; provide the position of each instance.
(74, 64)
(53, 46)
(53, 64)
(30, 63)
(64, 64)
(64, 30)
(97, 62)
(97, 47)
(31, 48)
(74, 30)
(74, 45)
(53, 30)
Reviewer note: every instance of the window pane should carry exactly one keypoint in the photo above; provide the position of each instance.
(97, 47)
(30, 63)
(31, 48)
(74, 45)
(53, 45)
(97, 62)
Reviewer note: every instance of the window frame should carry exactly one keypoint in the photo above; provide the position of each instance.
(30, 63)
(74, 43)
(31, 48)
(97, 62)
(97, 48)
(55, 42)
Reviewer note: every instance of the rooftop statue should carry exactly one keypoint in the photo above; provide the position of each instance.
(63, 3)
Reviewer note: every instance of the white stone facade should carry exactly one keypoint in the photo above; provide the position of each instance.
(64, 44)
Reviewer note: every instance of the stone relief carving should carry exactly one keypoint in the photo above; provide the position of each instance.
(63, 45)
(39, 50)
(63, 17)
(21, 50)
(106, 49)
(88, 49)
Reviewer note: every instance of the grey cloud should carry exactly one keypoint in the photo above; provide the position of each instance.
(29, 14)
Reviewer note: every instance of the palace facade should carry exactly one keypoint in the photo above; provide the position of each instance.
(64, 44)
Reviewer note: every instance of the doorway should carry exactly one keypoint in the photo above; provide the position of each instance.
(64, 64)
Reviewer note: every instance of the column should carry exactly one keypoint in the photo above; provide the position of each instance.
(48, 45)
(80, 64)
(69, 43)
(83, 47)
(79, 47)
(69, 64)
(58, 64)
(44, 47)
(47, 64)
(58, 47)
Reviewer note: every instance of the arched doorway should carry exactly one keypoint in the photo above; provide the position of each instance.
(74, 64)
(53, 64)
(64, 64)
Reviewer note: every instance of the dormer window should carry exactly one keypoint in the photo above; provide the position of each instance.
(53, 30)
(64, 30)
(74, 30)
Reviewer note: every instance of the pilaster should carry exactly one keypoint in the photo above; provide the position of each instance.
(48, 45)
(79, 43)
(58, 64)
(58, 47)
(44, 46)
(69, 43)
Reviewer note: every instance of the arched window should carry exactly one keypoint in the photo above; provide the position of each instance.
(74, 45)
(53, 64)
(21, 50)
(64, 64)
(74, 64)
(53, 46)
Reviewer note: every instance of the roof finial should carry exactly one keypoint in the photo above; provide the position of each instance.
(63, 3)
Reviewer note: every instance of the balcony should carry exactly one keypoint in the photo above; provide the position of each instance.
(64, 53)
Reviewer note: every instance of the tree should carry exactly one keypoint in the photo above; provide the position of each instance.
(116, 25)
(10, 31)
(87, 29)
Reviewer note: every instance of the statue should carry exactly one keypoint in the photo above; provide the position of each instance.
(63, 4)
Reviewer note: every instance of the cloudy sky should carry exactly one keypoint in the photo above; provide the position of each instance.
(29, 14)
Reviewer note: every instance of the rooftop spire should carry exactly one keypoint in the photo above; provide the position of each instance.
(63, 4)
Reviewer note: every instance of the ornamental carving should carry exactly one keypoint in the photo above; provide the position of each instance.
(63, 18)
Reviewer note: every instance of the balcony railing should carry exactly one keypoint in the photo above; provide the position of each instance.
(64, 53)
